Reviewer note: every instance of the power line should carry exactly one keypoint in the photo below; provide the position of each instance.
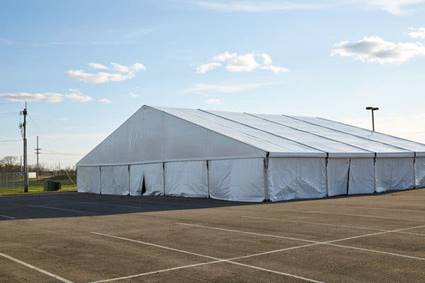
(9, 112)
(61, 153)
(10, 140)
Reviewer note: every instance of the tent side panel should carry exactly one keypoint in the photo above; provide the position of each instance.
(154, 179)
(420, 171)
(394, 174)
(337, 176)
(296, 178)
(88, 179)
(237, 180)
(186, 179)
(151, 175)
(114, 180)
(362, 176)
(136, 180)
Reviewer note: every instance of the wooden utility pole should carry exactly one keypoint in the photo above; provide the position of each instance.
(23, 127)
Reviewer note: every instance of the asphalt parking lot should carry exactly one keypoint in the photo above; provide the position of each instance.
(71, 237)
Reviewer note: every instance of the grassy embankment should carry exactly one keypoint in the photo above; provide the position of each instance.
(36, 186)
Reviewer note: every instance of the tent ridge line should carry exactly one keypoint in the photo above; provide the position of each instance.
(395, 137)
(358, 147)
(279, 136)
(351, 134)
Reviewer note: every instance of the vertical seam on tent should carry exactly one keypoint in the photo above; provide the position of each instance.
(266, 176)
(414, 171)
(163, 178)
(208, 178)
(348, 175)
(261, 130)
(326, 174)
(304, 131)
(374, 174)
(128, 179)
(100, 180)
(336, 130)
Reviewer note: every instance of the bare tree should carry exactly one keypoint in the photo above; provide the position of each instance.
(9, 161)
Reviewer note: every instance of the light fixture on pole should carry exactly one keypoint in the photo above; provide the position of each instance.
(372, 110)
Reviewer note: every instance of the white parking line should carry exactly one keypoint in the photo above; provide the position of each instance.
(215, 260)
(155, 245)
(57, 277)
(329, 224)
(384, 208)
(330, 243)
(246, 232)
(313, 223)
(376, 251)
(154, 272)
(339, 214)
(7, 216)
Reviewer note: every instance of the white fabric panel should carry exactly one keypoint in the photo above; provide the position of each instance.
(394, 174)
(257, 138)
(237, 179)
(296, 178)
(420, 171)
(362, 176)
(88, 179)
(287, 131)
(363, 143)
(186, 179)
(154, 135)
(153, 175)
(114, 180)
(403, 143)
(337, 176)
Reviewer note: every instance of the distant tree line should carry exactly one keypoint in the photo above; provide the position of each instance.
(11, 164)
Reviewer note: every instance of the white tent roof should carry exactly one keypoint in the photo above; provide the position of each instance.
(381, 149)
(160, 134)
(333, 147)
(275, 145)
(419, 148)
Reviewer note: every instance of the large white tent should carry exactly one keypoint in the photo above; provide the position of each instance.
(247, 157)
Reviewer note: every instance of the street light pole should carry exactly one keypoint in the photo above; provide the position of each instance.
(372, 110)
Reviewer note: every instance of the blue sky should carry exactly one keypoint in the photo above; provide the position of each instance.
(85, 66)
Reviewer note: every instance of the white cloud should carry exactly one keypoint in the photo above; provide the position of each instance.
(52, 97)
(104, 100)
(119, 73)
(376, 50)
(234, 62)
(395, 7)
(242, 63)
(205, 68)
(132, 94)
(213, 101)
(275, 69)
(77, 96)
(417, 33)
(255, 6)
(97, 66)
(224, 88)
